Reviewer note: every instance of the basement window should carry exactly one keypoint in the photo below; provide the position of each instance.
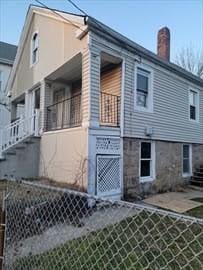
(143, 88)
(147, 161)
(187, 160)
(194, 105)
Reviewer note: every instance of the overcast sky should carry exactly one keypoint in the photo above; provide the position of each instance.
(136, 19)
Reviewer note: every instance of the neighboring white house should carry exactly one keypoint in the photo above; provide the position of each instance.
(7, 56)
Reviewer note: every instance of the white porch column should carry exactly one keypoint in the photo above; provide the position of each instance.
(45, 99)
(26, 103)
(90, 88)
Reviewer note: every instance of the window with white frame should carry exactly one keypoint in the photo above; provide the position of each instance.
(147, 156)
(194, 104)
(34, 48)
(143, 96)
(187, 159)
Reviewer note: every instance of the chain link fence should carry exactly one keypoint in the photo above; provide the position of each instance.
(49, 228)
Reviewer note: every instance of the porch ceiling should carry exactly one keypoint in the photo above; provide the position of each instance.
(68, 72)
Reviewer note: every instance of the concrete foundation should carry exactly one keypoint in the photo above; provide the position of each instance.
(21, 162)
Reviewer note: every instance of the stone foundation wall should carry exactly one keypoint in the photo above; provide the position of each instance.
(168, 167)
(197, 155)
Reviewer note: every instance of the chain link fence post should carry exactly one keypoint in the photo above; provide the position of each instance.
(2, 231)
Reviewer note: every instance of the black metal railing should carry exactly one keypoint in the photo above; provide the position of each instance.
(64, 114)
(109, 109)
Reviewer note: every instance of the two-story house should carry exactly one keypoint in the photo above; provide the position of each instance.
(7, 56)
(101, 112)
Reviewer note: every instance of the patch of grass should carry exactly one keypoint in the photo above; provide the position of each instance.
(196, 212)
(197, 200)
(140, 242)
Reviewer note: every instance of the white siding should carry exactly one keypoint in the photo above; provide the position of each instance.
(4, 112)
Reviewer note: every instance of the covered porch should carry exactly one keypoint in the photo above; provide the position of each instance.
(65, 98)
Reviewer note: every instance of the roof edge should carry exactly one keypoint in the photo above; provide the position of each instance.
(6, 61)
(119, 39)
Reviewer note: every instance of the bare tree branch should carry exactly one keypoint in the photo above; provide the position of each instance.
(190, 60)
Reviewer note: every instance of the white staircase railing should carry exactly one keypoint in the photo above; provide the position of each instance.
(18, 131)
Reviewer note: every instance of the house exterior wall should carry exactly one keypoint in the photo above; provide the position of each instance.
(4, 112)
(168, 167)
(62, 45)
(63, 156)
(5, 69)
(197, 154)
(170, 116)
(23, 164)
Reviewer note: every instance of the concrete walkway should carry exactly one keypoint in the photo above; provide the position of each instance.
(179, 202)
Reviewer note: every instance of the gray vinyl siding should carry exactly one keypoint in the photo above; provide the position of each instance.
(170, 117)
(85, 85)
(94, 83)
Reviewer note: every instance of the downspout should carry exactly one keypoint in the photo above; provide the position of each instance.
(122, 98)
(122, 124)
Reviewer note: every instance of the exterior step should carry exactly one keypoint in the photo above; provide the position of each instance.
(20, 146)
(197, 179)
(11, 153)
(198, 174)
(196, 183)
(29, 142)
(198, 170)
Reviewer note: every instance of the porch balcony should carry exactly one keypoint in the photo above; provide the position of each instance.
(67, 113)
(70, 94)
(64, 114)
(109, 110)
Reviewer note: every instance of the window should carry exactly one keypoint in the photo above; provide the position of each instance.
(1, 80)
(194, 105)
(147, 159)
(143, 96)
(34, 48)
(37, 99)
(187, 159)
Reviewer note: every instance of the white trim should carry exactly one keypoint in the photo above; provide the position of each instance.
(150, 105)
(153, 163)
(185, 175)
(122, 117)
(31, 49)
(73, 129)
(191, 89)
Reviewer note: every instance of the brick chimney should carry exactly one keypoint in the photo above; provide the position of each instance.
(163, 43)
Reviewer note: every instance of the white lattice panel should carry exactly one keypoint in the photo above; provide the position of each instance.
(108, 175)
(108, 145)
